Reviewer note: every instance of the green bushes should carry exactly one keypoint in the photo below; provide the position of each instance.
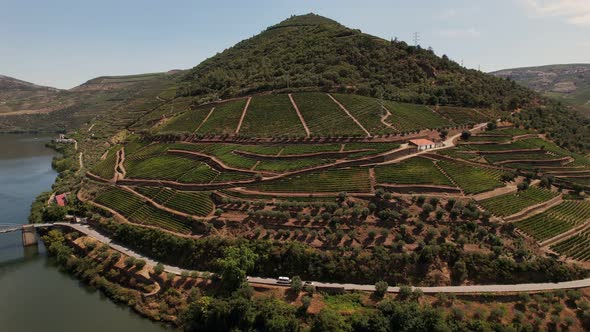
(379, 263)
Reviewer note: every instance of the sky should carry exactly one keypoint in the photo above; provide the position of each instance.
(63, 43)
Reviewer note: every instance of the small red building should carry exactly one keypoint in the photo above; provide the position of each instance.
(61, 199)
(422, 144)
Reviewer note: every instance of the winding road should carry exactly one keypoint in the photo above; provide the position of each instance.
(471, 289)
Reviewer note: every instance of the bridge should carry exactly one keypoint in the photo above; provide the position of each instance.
(29, 231)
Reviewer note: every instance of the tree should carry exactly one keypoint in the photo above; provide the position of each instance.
(54, 213)
(329, 320)
(237, 261)
(296, 284)
(523, 186)
(381, 288)
(465, 135)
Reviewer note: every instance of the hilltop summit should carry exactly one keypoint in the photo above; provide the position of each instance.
(311, 52)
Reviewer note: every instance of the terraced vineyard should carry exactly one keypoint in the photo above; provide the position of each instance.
(169, 167)
(461, 115)
(488, 138)
(324, 117)
(506, 205)
(194, 203)
(286, 165)
(187, 122)
(511, 131)
(309, 148)
(556, 220)
(135, 210)
(367, 111)
(374, 148)
(576, 247)
(106, 167)
(473, 179)
(412, 171)
(541, 155)
(223, 152)
(411, 117)
(224, 120)
(271, 115)
(338, 180)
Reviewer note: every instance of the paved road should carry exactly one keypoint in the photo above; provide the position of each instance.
(534, 287)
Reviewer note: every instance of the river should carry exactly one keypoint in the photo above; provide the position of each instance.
(34, 294)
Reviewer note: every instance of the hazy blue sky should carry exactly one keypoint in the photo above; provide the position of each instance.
(63, 43)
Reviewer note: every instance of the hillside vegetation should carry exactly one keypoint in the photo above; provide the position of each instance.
(311, 52)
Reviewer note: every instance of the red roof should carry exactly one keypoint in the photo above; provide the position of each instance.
(60, 199)
(421, 141)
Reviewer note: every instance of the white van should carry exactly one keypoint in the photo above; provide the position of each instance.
(283, 280)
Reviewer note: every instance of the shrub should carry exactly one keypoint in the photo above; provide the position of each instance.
(296, 284)
(129, 261)
(381, 288)
(158, 269)
(140, 264)
(405, 292)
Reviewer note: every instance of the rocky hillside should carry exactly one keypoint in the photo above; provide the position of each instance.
(569, 82)
(312, 52)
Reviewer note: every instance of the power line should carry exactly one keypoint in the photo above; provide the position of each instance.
(416, 38)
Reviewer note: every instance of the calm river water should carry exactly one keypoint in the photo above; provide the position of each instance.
(34, 294)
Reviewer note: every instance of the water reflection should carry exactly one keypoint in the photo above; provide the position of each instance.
(34, 294)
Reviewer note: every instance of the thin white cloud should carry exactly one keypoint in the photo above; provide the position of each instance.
(459, 33)
(576, 12)
(447, 14)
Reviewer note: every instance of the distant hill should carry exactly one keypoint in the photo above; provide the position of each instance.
(103, 83)
(311, 52)
(568, 82)
(28, 107)
(21, 96)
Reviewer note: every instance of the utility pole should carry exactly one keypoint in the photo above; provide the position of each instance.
(416, 38)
